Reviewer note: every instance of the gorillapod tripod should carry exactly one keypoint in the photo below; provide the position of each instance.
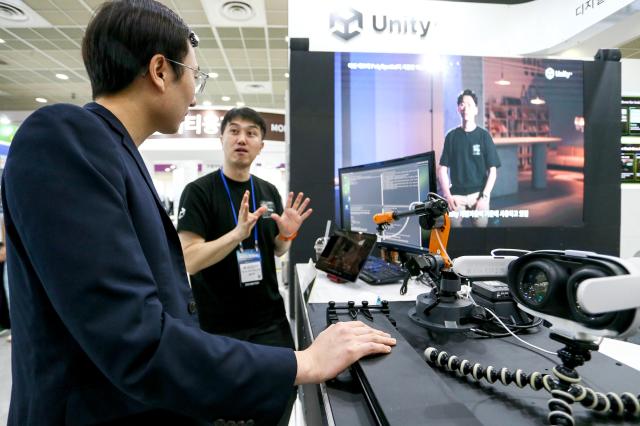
(564, 385)
(566, 388)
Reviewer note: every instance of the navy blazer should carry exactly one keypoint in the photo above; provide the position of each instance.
(104, 324)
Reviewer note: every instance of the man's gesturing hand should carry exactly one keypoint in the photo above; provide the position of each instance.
(295, 212)
(246, 219)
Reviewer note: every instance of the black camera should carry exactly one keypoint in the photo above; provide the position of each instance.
(545, 284)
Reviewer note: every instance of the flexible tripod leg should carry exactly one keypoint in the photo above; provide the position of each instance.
(566, 388)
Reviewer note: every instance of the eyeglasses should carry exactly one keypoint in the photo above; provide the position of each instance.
(201, 77)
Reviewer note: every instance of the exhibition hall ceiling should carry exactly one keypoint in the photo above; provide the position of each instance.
(631, 49)
(248, 64)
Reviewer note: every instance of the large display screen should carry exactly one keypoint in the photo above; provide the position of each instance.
(390, 105)
(392, 185)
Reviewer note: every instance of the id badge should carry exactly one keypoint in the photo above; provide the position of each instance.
(250, 264)
(271, 208)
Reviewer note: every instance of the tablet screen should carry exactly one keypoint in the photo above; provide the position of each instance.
(346, 253)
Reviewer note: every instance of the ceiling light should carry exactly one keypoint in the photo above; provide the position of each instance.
(213, 75)
(226, 98)
(167, 169)
(206, 103)
(237, 11)
(286, 38)
(239, 104)
(62, 76)
(538, 101)
(4, 120)
(2, 41)
(502, 81)
(286, 75)
(41, 100)
(254, 87)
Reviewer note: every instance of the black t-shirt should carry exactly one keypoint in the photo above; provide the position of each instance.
(468, 155)
(223, 304)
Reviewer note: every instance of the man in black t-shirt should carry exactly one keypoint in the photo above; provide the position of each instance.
(468, 165)
(231, 224)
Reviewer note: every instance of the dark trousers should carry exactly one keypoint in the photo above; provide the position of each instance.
(276, 334)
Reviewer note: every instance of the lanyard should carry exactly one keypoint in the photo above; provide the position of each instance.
(233, 208)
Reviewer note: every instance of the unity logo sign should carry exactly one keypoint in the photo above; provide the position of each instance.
(551, 73)
(348, 24)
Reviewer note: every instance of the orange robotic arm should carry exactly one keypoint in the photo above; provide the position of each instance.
(438, 240)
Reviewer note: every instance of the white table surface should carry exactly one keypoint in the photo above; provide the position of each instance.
(324, 290)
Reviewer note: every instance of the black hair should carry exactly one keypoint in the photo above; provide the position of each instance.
(123, 36)
(468, 92)
(245, 113)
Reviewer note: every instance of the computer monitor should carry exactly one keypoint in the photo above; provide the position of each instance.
(384, 186)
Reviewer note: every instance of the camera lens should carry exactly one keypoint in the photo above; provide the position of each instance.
(537, 281)
(534, 286)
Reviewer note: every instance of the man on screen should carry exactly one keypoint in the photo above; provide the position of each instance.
(468, 165)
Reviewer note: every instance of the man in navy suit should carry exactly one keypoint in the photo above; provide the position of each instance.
(104, 323)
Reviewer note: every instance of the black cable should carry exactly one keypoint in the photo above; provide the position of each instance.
(516, 328)
(485, 321)
(496, 330)
(507, 323)
(423, 278)
(427, 280)
(403, 287)
(485, 333)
